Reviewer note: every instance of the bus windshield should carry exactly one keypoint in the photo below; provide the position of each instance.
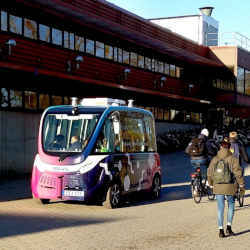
(67, 133)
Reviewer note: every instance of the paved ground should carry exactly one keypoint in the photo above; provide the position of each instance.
(173, 222)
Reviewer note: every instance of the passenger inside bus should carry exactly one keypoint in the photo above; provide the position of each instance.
(75, 143)
(58, 143)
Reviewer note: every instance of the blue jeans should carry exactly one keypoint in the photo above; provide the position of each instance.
(203, 163)
(221, 205)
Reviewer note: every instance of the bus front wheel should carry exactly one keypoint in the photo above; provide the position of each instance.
(113, 197)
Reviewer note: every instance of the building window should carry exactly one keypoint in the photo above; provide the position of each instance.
(4, 98)
(166, 115)
(141, 61)
(99, 49)
(43, 101)
(133, 59)
(15, 24)
(172, 70)
(30, 100)
(156, 66)
(56, 36)
(125, 55)
(66, 100)
(4, 19)
(166, 69)
(148, 64)
(16, 98)
(44, 33)
(161, 67)
(56, 100)
(69, 40)
(115, 54)
(109, 52)
(240, 80)
(153, 65)
(30, 28)
(120, 55)
(90, 46)
(247, 82)
(79, 43)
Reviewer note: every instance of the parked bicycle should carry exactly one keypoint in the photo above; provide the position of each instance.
(199, 187)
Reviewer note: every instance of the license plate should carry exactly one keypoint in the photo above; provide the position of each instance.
(73, 193)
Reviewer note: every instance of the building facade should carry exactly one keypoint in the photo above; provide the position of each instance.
(53, 50)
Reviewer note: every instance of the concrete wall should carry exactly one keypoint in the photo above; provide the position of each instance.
(18, 142)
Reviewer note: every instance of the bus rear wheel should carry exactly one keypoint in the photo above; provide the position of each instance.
(113, 197)
(156, 187)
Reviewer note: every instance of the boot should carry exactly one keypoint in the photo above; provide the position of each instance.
(221, 233)
(229, 230)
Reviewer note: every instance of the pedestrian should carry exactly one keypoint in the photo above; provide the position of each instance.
(224, 175)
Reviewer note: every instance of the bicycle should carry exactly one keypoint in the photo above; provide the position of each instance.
(239, 197)
(199, 187)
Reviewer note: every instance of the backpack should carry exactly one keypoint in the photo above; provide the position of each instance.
(196, 147)
(222, 173)
(234, 148)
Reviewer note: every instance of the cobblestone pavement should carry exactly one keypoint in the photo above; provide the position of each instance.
(173, 222)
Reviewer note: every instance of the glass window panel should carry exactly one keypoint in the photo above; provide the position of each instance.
(66, 39)
(30, 100)
(156, 66)
(44, 33)
(133, 59)
(115, 54)
(148, 64)
(172, 70)
(167, 69)
(153, 64)
(16, 99)
(140, 61)
(30, 28)
(4, 98)
(240, 80)
(195, 117)
(172, 114)
(125, 57)
(161, 67)
(71, 41)
(166, 115)
(99, 49)
(43, 101)
(4, 19)
(119, 55)
(90, 46)
(79, 43)
(108, 52)
(178, 72)
(15, 24)
(57, 100)
(56, 36)
(247, 82)
(66, 100)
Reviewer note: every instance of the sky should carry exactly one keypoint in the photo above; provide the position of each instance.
(232, 15)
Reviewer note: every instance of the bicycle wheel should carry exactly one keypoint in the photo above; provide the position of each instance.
(210, 193)
(196, 193)
(241, 200)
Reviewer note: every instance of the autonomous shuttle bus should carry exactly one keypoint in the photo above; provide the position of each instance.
(98, 151)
